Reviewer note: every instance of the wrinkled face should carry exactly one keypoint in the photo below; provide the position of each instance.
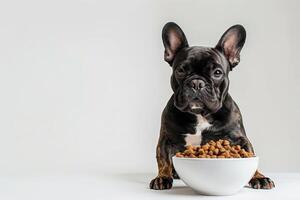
(199, 80)
(200, 74)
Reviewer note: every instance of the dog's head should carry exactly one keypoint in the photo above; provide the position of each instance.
(200, 74)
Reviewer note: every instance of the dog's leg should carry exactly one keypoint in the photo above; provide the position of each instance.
(164, 178)
(259, 181)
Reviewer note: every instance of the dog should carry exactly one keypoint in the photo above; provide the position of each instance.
(200, 108)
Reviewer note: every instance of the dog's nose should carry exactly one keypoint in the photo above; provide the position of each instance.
(197, 84)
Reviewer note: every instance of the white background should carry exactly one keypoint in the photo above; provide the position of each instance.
(83, 83)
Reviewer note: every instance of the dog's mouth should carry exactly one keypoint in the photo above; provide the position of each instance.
(200, 103)
(196, 107)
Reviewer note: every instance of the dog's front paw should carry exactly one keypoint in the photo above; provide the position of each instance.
(161, 183)
(261, 183)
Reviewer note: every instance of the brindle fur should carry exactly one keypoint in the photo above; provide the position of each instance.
(226, 122)
(259, 181)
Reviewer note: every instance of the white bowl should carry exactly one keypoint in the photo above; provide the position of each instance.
(215, 176)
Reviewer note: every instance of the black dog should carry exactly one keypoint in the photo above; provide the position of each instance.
(200, 108)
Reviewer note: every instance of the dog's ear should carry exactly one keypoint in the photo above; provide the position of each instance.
(231, 43)
(174, 40)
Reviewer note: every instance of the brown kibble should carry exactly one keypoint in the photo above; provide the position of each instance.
(214, 149)
(227, 154)
(222, 150)
(189, 147)
(219, 145)
(226, 142)
(233, 151)
(187, 152)
(242, 151)
(178, 154)
(205, 147)
(201, 152)
(236, 156)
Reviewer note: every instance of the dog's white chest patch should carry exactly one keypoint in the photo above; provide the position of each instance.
(195, 139)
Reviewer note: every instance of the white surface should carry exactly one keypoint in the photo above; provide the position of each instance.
(126, 186)
(211, 176)
(84, 80)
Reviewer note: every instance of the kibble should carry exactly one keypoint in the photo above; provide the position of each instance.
(215, 149)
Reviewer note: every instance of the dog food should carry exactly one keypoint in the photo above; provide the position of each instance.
(215, 149)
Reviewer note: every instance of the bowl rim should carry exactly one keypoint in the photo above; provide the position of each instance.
(214, 159)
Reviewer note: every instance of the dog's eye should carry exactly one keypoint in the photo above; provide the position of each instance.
(180, 71)
(218, 73)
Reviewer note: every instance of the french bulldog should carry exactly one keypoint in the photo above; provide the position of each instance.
(200, 108)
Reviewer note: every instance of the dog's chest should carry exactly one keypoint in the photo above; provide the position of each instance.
(195, 139)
